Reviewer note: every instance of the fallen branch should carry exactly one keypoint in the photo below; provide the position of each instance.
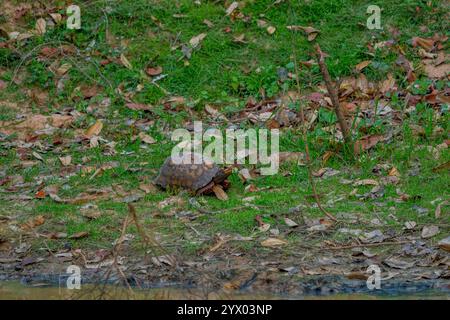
(333, 95)
(305, 141)
(351, 246)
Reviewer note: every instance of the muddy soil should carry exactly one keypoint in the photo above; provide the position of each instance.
(229, 274)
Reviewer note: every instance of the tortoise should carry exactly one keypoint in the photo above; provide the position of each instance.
(202, 176)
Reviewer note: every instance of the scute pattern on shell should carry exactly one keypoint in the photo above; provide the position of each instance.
(190, 176)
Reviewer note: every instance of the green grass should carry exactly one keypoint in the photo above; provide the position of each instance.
(225, 73)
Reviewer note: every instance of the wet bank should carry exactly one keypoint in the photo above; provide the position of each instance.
(324, 287)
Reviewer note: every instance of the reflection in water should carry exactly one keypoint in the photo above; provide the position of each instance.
(16, 291)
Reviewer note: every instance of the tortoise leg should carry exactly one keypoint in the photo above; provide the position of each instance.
(205, 188)
(218, 191)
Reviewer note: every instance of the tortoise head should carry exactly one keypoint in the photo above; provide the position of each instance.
(223, 174)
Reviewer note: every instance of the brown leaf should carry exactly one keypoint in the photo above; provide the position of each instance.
(357, 275)
(310, 31)
(79, 235)
(125, 62)
(444, 244)
(33, 222)
(427, 44)
(365, 182)
(251, 188)
(65, 161)
(436, 71)
(148, 187)
(271, 30)
(394, 172)
(208, 23)
(154, 71)
(239, 38)
(89, 91)
(233, 6)
(362, 83)
(40, 194)
(273, 242)
(94, 130)
(388, 85)
(294, 157)
(92, 213)
(3, 84)
(41, 26)
(367, 142)
(139, 106)
(429, 231)
(146, 138)
(56, 17)
(290, 223)
(360, 66)
(262, 226)
(214, 112)
(195, 41)
(444, 166)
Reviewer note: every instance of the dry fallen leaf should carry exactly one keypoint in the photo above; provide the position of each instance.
(429, 231)
(148, 187)
(214, 112)
(410, 225)
(365, 182)
(388, 85)
(367, 142)
(195, 41)
(437, 212)
(146, 138)
(290, 223)
(154, 71)
(444, 244)
(435, 69)
(310, 31)
(79, 235)
(91, 213)
(33, 222)
(65, 161)
(94, 130)
(139, 106)
(125, 62)
(56, 17)
(273, 242)
(394, 172)
(208, 23)
(233, 6)
(271, 29)
(40, 194)
(426, 44)
(41, 26)
(360, 66)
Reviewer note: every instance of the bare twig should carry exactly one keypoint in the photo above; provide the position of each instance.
(305, 141)
(350, 246)
(333, 95)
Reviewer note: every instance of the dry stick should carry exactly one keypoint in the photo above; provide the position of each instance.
(366, 245)
(116, 249)
(305, 141)
(147, 240)
(333, 95)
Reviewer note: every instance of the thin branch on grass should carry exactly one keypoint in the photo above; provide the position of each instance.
(305, 141)
(333, 95)
(351, 246)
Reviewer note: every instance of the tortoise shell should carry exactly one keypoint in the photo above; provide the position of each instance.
(189, 174)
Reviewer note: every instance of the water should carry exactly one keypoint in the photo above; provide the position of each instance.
(41, 291)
